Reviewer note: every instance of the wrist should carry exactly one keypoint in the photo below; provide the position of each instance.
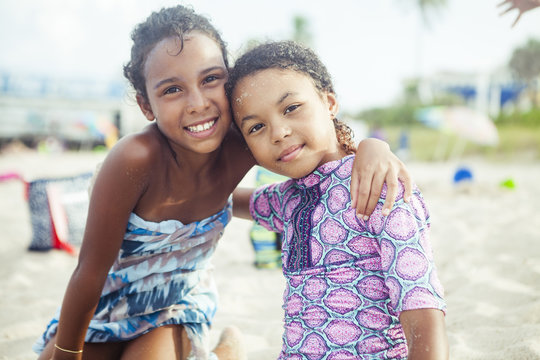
(65, 353)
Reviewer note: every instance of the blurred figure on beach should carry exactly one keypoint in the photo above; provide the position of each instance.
(404, 147)
(377, 132)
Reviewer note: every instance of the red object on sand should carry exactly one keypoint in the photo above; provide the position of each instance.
(59, 221)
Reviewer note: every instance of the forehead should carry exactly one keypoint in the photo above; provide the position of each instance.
(270, 83)
(272, 76)
(197, 50)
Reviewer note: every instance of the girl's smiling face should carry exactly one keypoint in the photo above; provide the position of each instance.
(286, 122)
(186, 95)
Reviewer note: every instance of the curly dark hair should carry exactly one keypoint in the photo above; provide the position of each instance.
(174, 21)
(289, 55)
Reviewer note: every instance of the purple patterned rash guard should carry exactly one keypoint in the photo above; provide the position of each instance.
(347, 280)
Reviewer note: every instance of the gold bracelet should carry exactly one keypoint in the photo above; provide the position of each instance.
(68, 351)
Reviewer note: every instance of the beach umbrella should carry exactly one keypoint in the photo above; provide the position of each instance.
(466, 123)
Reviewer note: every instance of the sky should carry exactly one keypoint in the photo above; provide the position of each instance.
(369, 47)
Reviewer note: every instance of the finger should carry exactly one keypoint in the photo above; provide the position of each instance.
(517, 19)
(376, 189)
(407, 185)
(355, 179)
(392, 189)
(506, 11)
(363, 193)
(502, 3)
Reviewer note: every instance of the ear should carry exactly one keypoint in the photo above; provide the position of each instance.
(145, 107)
(331, 100)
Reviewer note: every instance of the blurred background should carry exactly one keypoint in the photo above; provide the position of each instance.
(436, 79)
(451, 85)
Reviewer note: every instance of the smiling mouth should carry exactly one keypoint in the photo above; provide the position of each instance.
(201, 127)
(290, 153)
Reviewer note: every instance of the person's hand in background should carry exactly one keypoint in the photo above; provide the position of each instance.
(522, 5)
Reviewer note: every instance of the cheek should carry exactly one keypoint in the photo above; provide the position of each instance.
(325, 131)
(217, 96)
(258, 150)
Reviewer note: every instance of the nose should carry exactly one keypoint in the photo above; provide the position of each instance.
(197, 101)
(280, 131)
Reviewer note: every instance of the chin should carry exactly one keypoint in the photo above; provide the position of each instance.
(207, 148)
(290, 171)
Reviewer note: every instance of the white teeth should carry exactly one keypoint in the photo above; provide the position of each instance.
(201, 127)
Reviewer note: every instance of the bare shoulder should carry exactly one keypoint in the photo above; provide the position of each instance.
(139, 149)
(132, 160)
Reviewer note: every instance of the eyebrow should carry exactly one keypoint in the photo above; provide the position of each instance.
(165, 81)
(175, 78)
(280, 100)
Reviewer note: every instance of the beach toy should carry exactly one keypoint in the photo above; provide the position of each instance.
(508, 184)
(58, 209)
(463, 174)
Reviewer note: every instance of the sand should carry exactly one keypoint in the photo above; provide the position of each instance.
(485, 237)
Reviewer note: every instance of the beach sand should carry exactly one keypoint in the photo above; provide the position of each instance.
(485, 237)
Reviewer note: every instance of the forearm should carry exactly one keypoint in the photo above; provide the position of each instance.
(241, 198)
(425, 333)
(78, 307)
(427, 349)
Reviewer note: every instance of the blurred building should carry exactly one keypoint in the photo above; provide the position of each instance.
(76, 111)
(486, 92)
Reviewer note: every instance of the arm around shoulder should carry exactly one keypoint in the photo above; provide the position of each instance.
(374, 165)
(426, 334)
(241, 198)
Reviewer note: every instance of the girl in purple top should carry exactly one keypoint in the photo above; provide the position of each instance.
(356, 289)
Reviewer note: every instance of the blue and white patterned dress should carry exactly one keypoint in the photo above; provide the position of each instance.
(162, 276)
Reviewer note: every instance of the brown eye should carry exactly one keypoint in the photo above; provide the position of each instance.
(291, 108)
(172, 90)
(210, 78)
(255, 128)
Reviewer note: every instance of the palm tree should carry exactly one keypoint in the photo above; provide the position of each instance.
(426, 7)
(302, 33)
(525, 63)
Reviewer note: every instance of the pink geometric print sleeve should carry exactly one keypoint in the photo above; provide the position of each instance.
(406, 255)
(266, 202)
